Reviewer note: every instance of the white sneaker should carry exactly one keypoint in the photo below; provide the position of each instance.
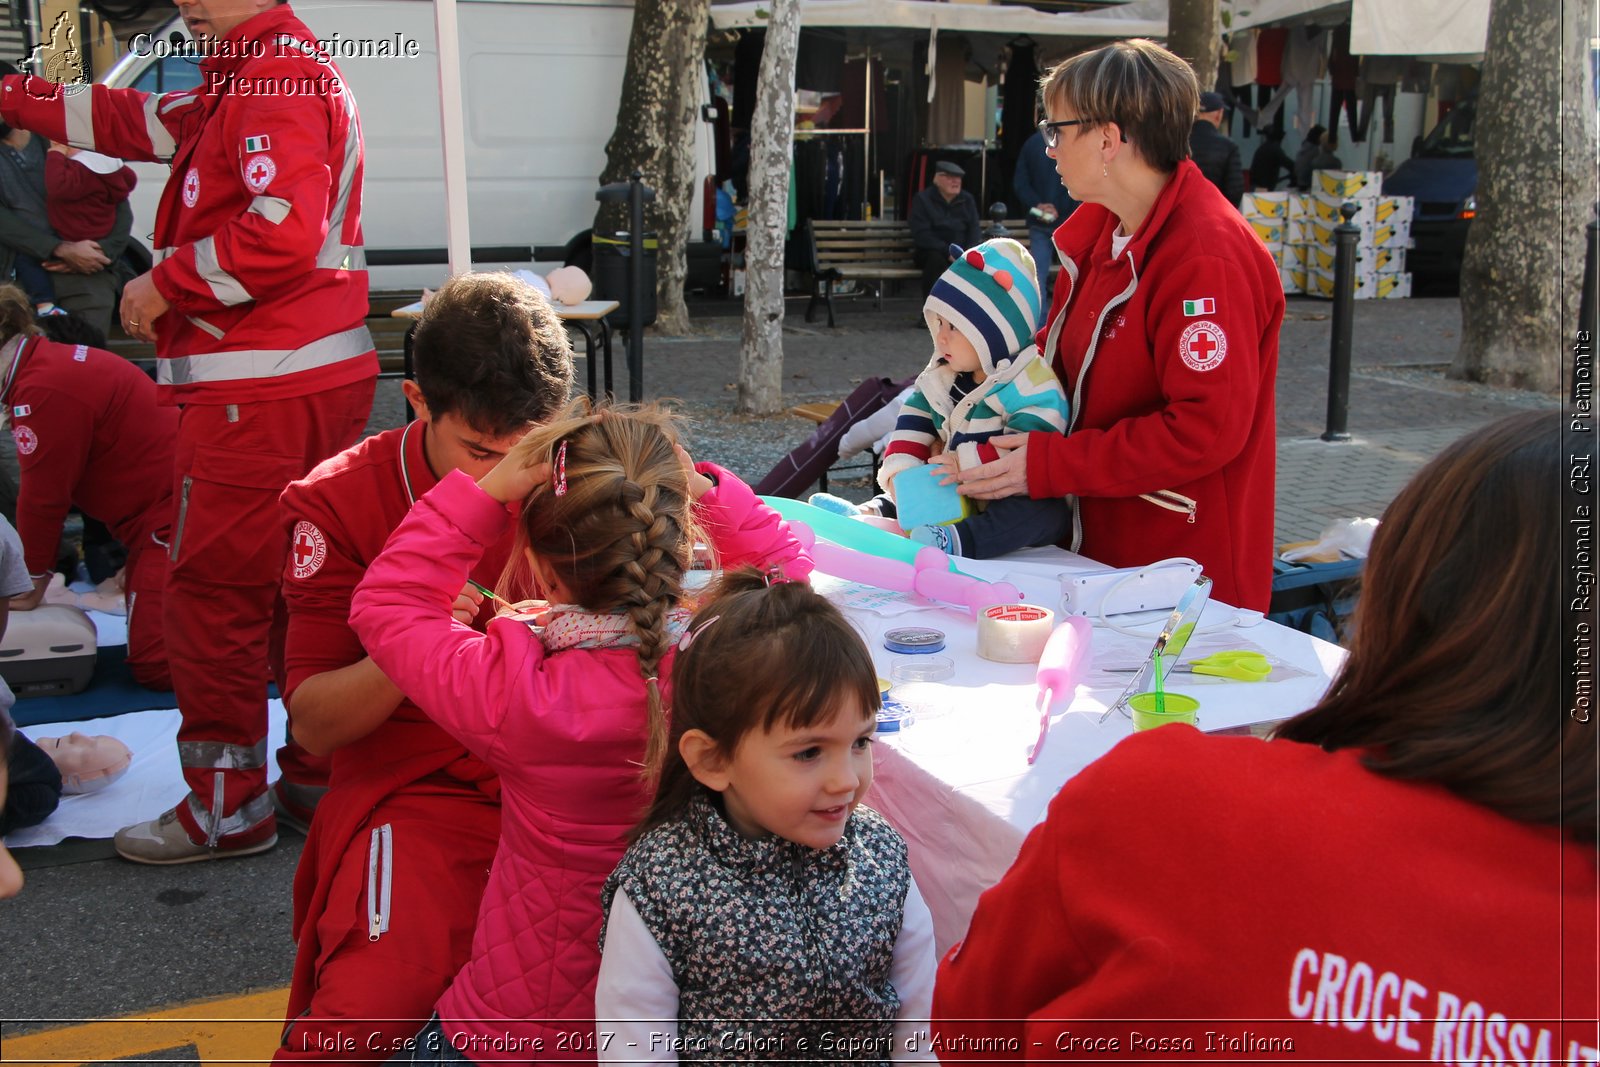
(163, 841)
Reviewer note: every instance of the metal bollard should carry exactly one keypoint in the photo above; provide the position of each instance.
(637, 194)
(1345, 236)
(997, 224)
(1591, 278)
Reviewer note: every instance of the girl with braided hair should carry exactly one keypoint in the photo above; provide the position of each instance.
(564, 701)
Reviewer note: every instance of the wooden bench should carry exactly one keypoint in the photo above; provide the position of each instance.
(857, 250)
(875, 251)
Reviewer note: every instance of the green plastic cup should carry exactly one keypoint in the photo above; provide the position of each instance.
(1179, 708)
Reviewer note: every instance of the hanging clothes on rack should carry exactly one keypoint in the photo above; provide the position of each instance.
(1379, 75)
(1343, 72)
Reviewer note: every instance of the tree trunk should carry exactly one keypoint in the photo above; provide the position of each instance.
(654, 134)
(1192, 33)
(1521, 279)
(771, 148)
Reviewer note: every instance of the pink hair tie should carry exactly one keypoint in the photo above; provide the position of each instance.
(559, 474)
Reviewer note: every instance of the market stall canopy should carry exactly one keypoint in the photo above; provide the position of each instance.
(1450, 29)
(931, 15)
(1419, 28)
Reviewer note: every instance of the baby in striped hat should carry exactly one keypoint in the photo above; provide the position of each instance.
(986, 378)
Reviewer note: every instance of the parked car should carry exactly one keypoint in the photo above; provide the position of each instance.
(1442, 176)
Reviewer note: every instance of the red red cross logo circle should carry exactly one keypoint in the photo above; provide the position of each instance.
(1203, 345)
(26, 439)
(259, 172)
(191, 187)
(309, 548)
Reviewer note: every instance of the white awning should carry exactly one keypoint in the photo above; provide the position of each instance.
(949, 17)
(1419, 27)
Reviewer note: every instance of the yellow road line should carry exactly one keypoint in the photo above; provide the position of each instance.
(227, 1029)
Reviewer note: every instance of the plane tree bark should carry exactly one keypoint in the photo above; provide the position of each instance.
(654, 135)
(1521, 278)
(771, 148)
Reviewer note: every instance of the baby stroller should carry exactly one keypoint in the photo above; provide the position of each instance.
(812, 459)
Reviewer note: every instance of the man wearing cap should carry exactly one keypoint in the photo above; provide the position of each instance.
(942, 215)
(1214, 152)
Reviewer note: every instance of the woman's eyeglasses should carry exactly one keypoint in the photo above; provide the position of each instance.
(1050, 130)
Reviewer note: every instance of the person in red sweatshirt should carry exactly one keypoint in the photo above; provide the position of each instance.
(405, 799)
(1407, 871)
(257, 309)
(90, 434)
(82, 192)
(1164, 331)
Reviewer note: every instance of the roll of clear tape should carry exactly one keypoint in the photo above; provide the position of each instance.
(1014, 633)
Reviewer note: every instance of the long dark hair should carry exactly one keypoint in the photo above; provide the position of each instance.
(760, 654)
(1454, 670)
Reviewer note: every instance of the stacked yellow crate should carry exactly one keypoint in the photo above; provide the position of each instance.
(1385, 225)
(1268, 215)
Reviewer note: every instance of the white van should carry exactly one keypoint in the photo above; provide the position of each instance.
(541, 82)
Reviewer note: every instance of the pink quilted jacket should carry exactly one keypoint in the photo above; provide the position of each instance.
(566, 733)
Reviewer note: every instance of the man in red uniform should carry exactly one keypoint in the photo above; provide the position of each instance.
(90, 435)
(406, 801)
(256, 308)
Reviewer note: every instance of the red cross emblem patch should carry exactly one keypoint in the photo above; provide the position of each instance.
(191, 187)
(1202, 345)
(259, 172)
(308, 549)
(26, 439)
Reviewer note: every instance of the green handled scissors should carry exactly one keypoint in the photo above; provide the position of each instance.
(1238, 665)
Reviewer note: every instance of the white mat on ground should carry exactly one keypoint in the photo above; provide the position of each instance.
(153, 784)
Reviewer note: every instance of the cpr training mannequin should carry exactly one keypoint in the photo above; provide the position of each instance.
(87, 764)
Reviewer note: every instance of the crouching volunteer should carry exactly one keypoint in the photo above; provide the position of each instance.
(257, 309)
(405, 800)
(90, 435)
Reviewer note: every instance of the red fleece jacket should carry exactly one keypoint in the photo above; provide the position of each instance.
(1169, 356)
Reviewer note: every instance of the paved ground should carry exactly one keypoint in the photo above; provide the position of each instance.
(92, 936)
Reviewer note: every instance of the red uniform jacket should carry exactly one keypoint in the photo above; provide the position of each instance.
(1237, 894)
(80, 203)
(1169, 355)
(339, 517)
(258, 236)
(89, 434)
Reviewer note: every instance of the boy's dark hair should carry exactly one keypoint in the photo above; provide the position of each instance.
(762, 655)
(69, 329)
(490, 349)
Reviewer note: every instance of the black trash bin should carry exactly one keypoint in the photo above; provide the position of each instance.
(613, 262)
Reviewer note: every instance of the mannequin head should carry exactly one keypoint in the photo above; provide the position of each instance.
(87, 764)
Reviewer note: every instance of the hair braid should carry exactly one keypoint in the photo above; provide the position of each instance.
(655, 572)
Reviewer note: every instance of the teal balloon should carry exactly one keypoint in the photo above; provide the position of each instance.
(847, 532)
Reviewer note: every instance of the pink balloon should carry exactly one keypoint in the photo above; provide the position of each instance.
(929, 576)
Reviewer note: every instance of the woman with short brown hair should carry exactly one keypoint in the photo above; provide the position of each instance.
(1407, 871)
(1163, 330)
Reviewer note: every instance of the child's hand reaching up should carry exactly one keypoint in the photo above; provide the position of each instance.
(512, 479)
(699, 484)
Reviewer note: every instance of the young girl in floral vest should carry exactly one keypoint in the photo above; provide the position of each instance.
(565, 704)
(760, 914)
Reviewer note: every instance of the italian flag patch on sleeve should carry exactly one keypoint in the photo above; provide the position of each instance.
(260, 143)
(1203, 306)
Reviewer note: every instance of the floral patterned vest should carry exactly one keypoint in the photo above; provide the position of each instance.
(779, 951)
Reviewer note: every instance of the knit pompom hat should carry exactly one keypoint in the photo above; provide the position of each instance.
(991, 295)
